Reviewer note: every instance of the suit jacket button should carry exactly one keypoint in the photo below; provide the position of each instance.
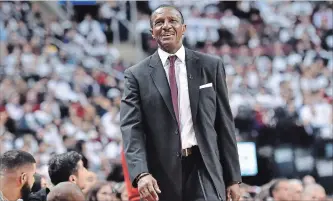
(176, 132)
(178, 154)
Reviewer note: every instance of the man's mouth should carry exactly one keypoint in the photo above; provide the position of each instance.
(167, 34)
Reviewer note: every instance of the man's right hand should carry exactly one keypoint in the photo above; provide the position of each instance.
(148, 188)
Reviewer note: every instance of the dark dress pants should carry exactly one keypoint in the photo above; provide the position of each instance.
(196, 182)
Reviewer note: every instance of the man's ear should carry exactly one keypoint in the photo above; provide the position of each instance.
(184, 28)
(151, 32)
(23, 179)
(72, 179)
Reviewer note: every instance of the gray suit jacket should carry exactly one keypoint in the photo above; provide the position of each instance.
(150, 135)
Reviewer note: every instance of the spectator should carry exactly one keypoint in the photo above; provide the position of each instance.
(65, 191)
(17, 169)
(68, 167)
(314, 192)
(296, 189)
(102, 191)
(279, 190)
(62, 168)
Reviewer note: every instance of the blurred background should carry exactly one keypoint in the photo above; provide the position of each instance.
(61, 79)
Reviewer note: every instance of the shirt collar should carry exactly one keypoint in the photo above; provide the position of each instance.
(164, 55)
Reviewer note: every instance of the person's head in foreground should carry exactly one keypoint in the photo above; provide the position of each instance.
(102, 191)
(314, 192)
(167, 28)
(17, 169)
(65, 191)
(296, 189)
(279, 190)
(68, 167)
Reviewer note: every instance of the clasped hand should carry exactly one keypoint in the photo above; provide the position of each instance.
(148, 188)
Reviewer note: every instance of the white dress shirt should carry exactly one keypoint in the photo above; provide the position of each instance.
(188, 138)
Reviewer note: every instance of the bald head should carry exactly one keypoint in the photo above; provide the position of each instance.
(314, 192)
(65, 191)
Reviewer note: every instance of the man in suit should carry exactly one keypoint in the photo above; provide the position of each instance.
(177, 126)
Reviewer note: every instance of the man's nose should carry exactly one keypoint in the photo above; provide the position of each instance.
(166, 24)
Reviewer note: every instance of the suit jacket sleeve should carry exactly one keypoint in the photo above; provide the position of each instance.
(132, 128)
(224, 126)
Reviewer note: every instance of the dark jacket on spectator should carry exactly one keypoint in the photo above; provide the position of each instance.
(40, 195)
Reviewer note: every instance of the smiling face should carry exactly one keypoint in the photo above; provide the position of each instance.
(167, 29)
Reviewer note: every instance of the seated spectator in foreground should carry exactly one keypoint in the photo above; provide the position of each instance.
(64, 167)
(65, 191)
(296, 189)
(314, 192)
(68, 167)
(17, 169)
(102, 191)
(279, 191)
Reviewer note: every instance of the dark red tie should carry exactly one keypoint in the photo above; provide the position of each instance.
(173, 86)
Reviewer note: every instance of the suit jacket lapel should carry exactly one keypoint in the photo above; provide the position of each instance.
(161, 82)
(193, 78)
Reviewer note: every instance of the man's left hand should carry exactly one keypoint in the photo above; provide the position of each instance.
(233, 192)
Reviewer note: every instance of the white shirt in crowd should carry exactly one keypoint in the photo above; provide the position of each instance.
(317, 115)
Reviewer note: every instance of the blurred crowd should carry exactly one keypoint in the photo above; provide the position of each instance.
(61, 81)
(285, 190)
(56, 94)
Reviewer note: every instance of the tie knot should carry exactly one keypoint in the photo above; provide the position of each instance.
(172, 59)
